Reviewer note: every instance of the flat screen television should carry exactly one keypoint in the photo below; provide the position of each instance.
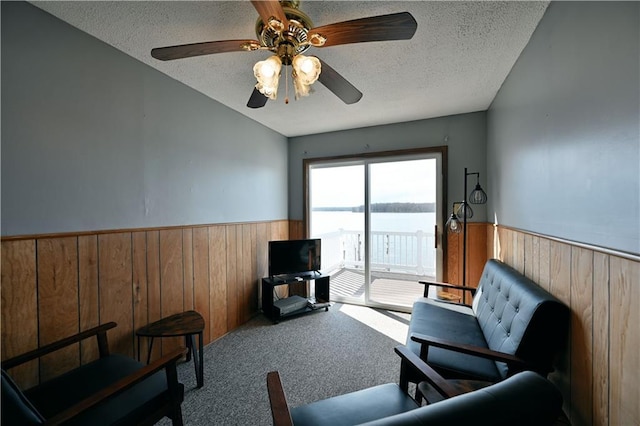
(294, 257)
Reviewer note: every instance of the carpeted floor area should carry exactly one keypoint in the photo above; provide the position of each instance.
(318, 355)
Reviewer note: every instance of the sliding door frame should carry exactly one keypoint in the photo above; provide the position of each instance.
(441, 236)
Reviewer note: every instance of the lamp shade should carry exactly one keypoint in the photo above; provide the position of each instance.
(267, 73)
(464, 210)
(306, 70)
(478, 196)
(453, 224)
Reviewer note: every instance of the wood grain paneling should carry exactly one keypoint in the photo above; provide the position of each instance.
(581, 336)
(601, 339)
(116, 284)
(201, 293)
(476, 256)
(88, 302)
(153, 288)
(624, 355)
(248, 269)
(20, 307)
(171, 281)
(262, 254)
(140, 289)
(218, 274)
(232, 275)
(187, 265)
(58, 298)
(54, 286)
(598, 372)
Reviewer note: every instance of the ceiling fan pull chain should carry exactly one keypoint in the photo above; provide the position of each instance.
(286, 88)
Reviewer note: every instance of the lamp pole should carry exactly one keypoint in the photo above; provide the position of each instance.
(477, 196)
(464, 230)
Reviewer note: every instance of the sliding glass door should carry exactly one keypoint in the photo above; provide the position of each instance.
(378, 219)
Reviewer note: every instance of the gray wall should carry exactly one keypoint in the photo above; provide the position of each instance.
(563, 132)
(464, 134)
(93, 139)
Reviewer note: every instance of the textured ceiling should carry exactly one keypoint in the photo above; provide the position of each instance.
(455, 63)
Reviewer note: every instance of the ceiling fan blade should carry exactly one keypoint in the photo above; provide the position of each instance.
(338, 85)
(197, 49)
(257, 99)
(270, 9)
(396, 26)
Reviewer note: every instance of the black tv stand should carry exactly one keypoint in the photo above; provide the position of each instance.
(321, 283)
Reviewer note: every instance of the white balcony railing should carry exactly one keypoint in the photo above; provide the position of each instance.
(401, 252)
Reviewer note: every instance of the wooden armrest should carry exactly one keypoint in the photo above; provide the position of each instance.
(472, 290)
(278, 400)
(427, 341)
(166, 362)
(412, 361)
(100, 331)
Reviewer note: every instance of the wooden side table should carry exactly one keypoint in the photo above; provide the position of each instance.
(186, 324)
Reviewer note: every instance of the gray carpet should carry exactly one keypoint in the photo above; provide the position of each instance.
(318, 355)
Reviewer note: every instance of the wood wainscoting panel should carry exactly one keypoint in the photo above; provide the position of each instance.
(54, 286)
(598, 371)
(581, 336)
(624, 355)
(140, 288)
(202, 288)
(187, 265)
(154, 293)
(297, 230)
(88, 297)
(216, 284)
(116, 285)
(58, 298)
(249, 279)
(171, 281)
(476, 257)
(232, 277)
(601, 306)
(262, 254)
(19, 310)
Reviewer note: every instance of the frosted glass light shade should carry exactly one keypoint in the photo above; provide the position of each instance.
(267, 73)
(306, 70)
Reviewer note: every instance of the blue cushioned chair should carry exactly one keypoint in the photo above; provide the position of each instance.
(525, 398)
(114, 389)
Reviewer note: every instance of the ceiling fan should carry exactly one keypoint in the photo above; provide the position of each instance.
(288, 32)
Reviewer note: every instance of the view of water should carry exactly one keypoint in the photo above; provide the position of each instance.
(328, 221)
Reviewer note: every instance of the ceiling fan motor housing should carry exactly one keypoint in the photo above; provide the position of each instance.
(290, 41)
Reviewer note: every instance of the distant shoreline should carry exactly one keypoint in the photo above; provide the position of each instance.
(384, 208)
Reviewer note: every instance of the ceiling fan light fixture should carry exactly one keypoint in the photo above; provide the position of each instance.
(306, 70)
(267, 73)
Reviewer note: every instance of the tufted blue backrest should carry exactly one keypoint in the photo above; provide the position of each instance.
(519, 317)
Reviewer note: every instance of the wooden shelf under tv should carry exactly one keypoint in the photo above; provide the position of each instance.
(321, 283)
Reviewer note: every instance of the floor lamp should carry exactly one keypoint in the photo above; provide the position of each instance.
(463, 209)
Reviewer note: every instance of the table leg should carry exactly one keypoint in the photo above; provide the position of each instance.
(150, 347)
(201, 354)
(198, 358)
(188, 340)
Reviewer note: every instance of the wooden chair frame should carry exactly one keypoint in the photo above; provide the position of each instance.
(167, 363)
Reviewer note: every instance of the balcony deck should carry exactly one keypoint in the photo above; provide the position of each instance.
(389, 289)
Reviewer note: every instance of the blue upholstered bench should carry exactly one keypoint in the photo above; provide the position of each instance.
(512, 325)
